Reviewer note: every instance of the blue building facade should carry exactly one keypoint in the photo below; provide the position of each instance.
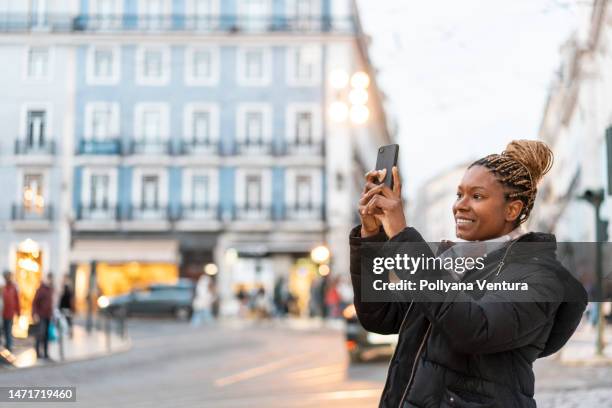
(200, 136)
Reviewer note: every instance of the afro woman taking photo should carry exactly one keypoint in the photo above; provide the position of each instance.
(473, 353)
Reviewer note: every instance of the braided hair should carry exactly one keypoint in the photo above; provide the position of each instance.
(520, 168)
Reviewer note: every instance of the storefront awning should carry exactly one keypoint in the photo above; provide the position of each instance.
(125, 251)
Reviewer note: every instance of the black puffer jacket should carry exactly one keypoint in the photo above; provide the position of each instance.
(473, 354)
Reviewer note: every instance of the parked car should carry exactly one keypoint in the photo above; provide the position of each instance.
(158, 299)
(362, 344)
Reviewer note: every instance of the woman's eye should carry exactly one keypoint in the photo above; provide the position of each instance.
(477, 196)
(458, 195)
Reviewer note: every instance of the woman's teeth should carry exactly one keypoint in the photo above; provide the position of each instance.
(464, 221)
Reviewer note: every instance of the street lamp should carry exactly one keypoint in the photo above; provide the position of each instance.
(595, 198)
(320, 254)
(211, 269)
(350, 97)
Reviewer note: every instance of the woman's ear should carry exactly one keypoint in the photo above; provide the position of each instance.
(513, 210)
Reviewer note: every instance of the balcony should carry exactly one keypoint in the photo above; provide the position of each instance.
(31, 218)
(310, 149)
(100, 146)
(147, 212)
(104, 212)
(303, 212)
(149, 147)
(42, 147)
(13, 22)
(199, 212)
(203, 23)
(189, 147)
(255, 212)
(250, 147)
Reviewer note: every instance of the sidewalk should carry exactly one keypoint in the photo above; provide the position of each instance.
(81, 346)
(580, 349)
(290, 322)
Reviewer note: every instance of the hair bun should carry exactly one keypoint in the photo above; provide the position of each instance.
(536, 156)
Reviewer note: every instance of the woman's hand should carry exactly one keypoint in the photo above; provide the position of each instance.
(386, 205)
(369, 224)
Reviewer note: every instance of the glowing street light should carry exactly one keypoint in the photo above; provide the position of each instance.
(320, 254)
(323, 270)
(360, 80)
(211, 269)
(338, 111)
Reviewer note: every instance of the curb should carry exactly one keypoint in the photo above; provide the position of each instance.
(94, 356)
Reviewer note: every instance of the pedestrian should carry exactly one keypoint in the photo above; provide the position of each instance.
(42, 310)
(243, 301)
(10, 310)
(279, 297)
(66, 303)
(477, 351)
(202, 301)
(332, 299)
(261, 307)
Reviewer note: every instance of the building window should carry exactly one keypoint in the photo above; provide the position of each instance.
(151, 125)
(153, 66)
(154, 14)
(254, 15)
(304, 15)
(253, 191)
(151, 128)
(38, 63)
(253, 130)
(304, 65)
(36, 128)
(201, 66)
(103, 65)
(150, 192)
(105, 14)
(254, 66)
(202, 14)
(303, 128)
(200, 197)
(201, 127)
(32, 193)
(100, 191)
(101, 121)
(303, 191)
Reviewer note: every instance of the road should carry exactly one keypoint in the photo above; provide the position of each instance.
(251, 365)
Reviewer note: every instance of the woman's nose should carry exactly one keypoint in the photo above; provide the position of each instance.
(461, 204)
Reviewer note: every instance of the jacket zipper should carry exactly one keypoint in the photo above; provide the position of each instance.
(414, 365)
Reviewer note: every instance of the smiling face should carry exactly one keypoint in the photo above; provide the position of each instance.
(482, 211)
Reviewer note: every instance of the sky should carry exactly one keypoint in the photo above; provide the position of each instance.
(465, 77)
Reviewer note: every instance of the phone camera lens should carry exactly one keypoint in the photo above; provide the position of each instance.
(382, 149)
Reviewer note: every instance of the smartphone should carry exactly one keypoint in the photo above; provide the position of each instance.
(387, 158)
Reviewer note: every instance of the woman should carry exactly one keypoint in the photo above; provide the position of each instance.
(472, 353)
